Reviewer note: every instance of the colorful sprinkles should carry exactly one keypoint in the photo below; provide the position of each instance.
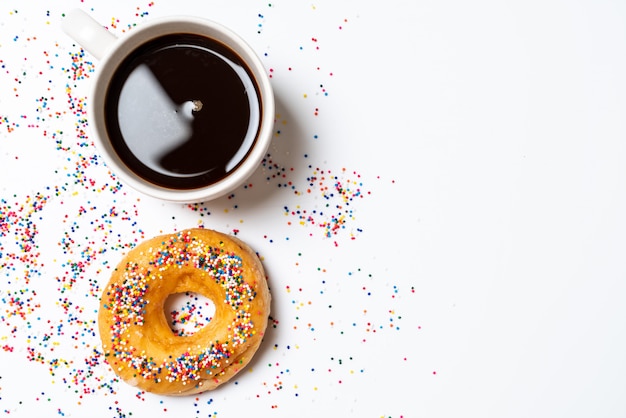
(188, 313)
(126, 302)
(62, 233)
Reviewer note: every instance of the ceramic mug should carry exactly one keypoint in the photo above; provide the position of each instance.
(180, 108)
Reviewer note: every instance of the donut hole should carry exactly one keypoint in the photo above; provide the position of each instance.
(188, 312)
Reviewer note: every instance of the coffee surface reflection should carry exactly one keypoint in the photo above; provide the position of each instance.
(182, 111)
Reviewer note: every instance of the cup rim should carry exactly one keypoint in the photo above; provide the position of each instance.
(159, 27)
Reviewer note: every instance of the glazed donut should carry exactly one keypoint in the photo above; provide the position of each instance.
(137, 340)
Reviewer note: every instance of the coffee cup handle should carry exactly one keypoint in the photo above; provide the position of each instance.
(88, 33)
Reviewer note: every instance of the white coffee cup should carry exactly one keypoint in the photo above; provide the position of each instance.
(111, 52)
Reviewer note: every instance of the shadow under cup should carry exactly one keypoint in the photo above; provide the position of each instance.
(183, 116)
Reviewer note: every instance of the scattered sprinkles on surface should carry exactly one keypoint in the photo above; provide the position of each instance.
(62, 234)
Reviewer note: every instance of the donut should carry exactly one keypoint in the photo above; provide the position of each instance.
(137, 341)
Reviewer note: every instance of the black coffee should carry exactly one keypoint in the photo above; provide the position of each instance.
(182, 111)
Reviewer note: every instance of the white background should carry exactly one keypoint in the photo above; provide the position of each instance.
(479, 268)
